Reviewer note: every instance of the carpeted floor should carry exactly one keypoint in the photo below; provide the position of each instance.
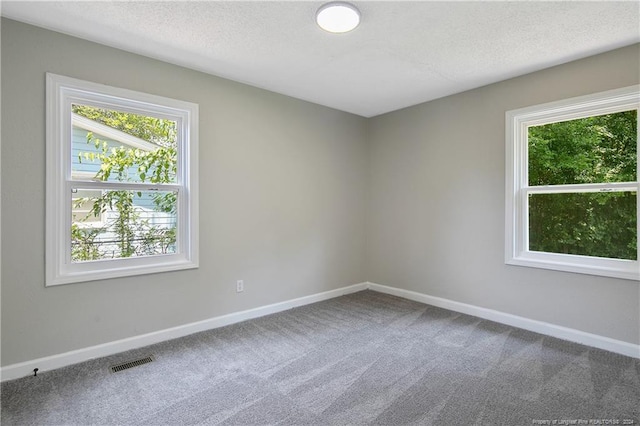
(364, 358)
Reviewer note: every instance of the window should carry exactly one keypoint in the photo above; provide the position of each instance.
(572, 185)
(121, 182)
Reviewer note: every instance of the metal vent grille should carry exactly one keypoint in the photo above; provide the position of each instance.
(130, 364)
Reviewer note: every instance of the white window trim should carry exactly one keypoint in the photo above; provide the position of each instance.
(517, 189)
(61, 93)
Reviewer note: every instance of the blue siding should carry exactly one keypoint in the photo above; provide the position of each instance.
(79, 147)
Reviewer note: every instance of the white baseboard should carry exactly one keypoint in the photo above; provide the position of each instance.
(15, 371)
(570, 334)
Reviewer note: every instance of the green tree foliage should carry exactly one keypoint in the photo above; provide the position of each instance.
(155, 130)
(588, 150)
(135, 235)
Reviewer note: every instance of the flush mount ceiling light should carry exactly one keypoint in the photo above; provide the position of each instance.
(338, 17)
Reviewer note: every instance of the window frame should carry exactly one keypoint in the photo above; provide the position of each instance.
(518, 189)
(61, 93)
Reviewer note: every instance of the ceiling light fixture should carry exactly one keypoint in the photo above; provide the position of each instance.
(338, 17)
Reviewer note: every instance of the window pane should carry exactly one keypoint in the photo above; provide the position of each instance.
(82, 205)
(109, 145)
(117, 224)
(587, 150)
(589, 224)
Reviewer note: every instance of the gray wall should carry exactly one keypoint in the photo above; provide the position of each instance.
(436, 210)
(295, 199)
(282, 197)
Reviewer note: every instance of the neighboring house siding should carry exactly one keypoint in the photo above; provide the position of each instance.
(80, 146)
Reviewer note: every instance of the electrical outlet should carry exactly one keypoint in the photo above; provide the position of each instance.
(240, 286)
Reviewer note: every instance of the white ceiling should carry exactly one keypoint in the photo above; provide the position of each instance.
(402, 54)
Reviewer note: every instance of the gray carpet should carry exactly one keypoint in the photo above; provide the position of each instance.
(364, 358)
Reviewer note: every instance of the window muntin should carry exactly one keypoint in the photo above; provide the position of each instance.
(121, 182)
(571, 201)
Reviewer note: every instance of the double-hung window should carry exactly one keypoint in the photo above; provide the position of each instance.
(121, 182)
(572, 185)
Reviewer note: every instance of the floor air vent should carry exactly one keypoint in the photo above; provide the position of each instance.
(130, 364)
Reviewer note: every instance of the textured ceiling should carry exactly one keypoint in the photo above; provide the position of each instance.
(402, 54)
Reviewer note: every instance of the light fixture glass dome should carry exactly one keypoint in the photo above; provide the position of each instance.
(338, 17)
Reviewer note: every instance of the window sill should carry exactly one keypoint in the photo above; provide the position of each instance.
(612, 268)
(117, 268)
